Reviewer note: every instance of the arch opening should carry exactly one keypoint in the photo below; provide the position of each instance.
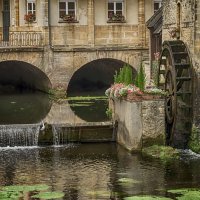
(95, 77)
(23, 90)
(92, 80)
(18, 76)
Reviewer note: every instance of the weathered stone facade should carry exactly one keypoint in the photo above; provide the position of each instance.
(60, 64)
(139, 124)
(59, 48)
(185, 15)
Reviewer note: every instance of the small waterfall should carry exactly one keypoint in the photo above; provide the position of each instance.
(60, 135)
(19, 135)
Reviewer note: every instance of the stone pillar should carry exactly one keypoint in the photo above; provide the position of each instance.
(90, 15)
(16, 12)
(141, 22)
(46, 11)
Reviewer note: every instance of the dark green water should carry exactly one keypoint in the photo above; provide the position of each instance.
(24, 108)
(95, 171)
(32, 108)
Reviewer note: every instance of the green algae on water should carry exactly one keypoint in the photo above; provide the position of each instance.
(103, 194)
(146, 198)
(25, 188)
(49, 195)
(186, 193)
(165, 153)
(88, 98)
(79, 105)
(128, 180)
(10, 195)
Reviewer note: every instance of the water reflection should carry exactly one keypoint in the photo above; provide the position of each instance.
(77, 111)
(93, 171)
(90, 110)
(23, 108)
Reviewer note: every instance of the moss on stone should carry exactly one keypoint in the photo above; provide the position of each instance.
(159, 140)
(164, 153)
(194, 143)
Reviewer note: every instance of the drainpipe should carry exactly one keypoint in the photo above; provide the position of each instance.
(49, 23)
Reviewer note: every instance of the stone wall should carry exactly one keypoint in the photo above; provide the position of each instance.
(139, 124)
(59, 64)
(190, 34)
(117, 35)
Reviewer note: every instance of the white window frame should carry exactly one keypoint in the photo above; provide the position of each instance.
(116, 1)
(66, 7)
(32, 11)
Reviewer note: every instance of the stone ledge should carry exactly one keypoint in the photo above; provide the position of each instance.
(93, 49)
(21, 49)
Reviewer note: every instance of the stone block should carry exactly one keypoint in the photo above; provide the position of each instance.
(139, 124)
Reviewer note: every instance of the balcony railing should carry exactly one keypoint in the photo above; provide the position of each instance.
(23, 39)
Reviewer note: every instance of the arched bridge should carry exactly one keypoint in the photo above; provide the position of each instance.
(54, 67)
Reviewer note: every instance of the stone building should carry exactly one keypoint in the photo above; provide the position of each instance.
(183, 16)
(61, 36)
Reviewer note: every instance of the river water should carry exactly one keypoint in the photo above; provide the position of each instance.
(84, 171)
(95, 171)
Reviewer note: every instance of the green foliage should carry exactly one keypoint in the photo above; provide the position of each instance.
(125, 75)
(155, 72)
(140, 79)
(109, 113)
(194, 143)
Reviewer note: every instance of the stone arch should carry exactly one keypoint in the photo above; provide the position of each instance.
(95, 76)
(21, 75)
(73, 61)
(34, 58)
(131, 57)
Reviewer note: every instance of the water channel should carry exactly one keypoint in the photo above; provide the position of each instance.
(95, 171)
(80, 171)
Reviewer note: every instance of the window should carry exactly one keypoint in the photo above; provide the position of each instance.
(30, 15)
(67, 10)
(115, 10)
(31, 7)
(157, 5)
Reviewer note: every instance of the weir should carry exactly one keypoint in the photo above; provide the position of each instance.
(55, 134)
(19, 135)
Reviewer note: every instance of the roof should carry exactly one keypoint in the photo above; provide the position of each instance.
(155, 22)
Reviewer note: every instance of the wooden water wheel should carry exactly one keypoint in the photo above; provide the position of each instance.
(175, 77)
